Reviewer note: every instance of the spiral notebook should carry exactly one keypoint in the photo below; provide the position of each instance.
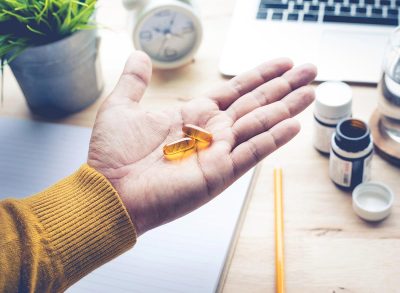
(188, 255)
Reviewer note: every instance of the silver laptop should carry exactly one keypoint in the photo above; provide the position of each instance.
(346, 39)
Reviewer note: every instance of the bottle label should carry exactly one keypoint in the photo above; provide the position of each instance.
(367, 168)
(322, 137)
(340, 170)
(349, 173)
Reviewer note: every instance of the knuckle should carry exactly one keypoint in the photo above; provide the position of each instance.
(254, 151)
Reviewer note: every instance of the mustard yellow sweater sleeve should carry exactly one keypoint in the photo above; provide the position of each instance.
(52, 239)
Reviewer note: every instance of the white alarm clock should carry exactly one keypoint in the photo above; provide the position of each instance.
(169, 31)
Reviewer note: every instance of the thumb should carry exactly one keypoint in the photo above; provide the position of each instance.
(134, 79)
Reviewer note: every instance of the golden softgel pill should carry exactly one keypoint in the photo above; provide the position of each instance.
(179, 146)
(197, 133)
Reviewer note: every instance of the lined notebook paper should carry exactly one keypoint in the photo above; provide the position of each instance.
(187, 255)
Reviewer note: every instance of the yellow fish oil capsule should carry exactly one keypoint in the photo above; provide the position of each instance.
(179, 146)
(197, 133)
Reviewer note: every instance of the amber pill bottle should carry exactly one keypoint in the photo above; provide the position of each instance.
(351, 154)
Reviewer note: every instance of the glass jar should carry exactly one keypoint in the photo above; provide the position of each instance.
(389, 89)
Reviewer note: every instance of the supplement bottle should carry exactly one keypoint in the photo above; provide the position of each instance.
(351, 154)
(332, 104)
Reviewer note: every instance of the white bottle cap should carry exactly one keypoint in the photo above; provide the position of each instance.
(333, 101)
(372, 201)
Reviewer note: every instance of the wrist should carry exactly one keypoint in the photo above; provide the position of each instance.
(85, 221)
(114, 177)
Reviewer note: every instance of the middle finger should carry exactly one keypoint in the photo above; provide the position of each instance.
(272, 91)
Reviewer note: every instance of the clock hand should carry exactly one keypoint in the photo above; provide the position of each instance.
(167, 32)
(176, 35)
(156, 29)
(171, 23)
(162, 46)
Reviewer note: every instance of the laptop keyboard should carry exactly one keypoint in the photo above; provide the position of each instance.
(376, 12)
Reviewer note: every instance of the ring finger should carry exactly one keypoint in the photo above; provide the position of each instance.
(272, 91)
(264, 118)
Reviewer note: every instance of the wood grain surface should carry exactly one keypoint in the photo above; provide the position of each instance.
(328, 248)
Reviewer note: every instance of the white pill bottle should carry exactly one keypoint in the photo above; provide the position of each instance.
(333, 103)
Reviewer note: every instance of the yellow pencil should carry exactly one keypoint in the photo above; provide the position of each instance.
(279, 255)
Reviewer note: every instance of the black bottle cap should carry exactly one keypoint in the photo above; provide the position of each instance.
(352, 135)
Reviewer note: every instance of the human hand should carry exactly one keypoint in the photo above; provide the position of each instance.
(250, 116)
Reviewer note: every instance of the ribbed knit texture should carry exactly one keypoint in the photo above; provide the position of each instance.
(81, 223)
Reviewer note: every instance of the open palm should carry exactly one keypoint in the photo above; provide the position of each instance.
(250, 116)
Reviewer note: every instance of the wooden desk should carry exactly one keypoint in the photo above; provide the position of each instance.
(328, 248)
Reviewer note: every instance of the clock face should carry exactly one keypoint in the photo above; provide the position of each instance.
(167, 34)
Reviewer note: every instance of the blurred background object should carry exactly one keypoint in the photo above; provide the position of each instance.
(52, 49)
(386, 119)
(169, 31)
(345, 39)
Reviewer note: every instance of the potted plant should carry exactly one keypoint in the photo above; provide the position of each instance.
(52, 49)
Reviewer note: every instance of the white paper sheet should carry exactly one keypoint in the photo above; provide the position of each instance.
(187, 255)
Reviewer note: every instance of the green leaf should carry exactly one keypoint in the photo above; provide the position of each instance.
(18, 17)
(34, 30)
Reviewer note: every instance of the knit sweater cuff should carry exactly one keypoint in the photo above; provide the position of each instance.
(85, 221)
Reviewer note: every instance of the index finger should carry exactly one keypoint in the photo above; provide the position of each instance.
(236, 87)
